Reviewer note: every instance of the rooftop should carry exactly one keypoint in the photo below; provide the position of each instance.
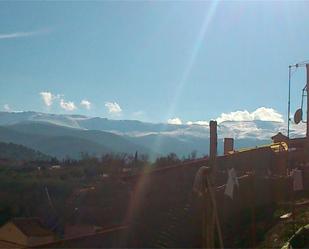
(31, 227)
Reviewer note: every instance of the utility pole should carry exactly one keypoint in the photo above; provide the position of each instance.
(307, 88)
(289, 101)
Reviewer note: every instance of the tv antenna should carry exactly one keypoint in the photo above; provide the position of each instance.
(298, 117)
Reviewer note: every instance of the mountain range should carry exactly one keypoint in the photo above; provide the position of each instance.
(63, 136)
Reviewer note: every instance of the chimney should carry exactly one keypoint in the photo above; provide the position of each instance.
(228, 145)
(213, 140)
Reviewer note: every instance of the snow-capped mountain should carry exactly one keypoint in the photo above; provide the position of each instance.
(62, 135)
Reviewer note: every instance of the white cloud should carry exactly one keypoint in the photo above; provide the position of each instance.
(48, 98)
(7, 108)
(22, 34)
(262, 113)
(200, 122)
(113, 108)
(267, 114)
(86, 104)
(68, 106)
(174, 121)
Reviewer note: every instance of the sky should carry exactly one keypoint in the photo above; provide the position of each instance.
(167, 61)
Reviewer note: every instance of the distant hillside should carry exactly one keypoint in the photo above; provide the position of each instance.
(19, 152)
(62, 141)
(109, 141)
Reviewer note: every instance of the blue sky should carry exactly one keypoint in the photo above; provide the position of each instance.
(151, 61)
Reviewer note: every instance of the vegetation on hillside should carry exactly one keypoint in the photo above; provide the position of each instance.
(10, 151)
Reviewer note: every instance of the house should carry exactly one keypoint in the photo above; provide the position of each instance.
(25, 232)
(279, 138)
(293, 143)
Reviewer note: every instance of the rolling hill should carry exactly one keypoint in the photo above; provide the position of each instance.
(60, 141)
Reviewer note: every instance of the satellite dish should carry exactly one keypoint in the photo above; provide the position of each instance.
(298, 116)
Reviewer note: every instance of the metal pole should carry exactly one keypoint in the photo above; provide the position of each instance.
(289, 102)
(307, 86)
